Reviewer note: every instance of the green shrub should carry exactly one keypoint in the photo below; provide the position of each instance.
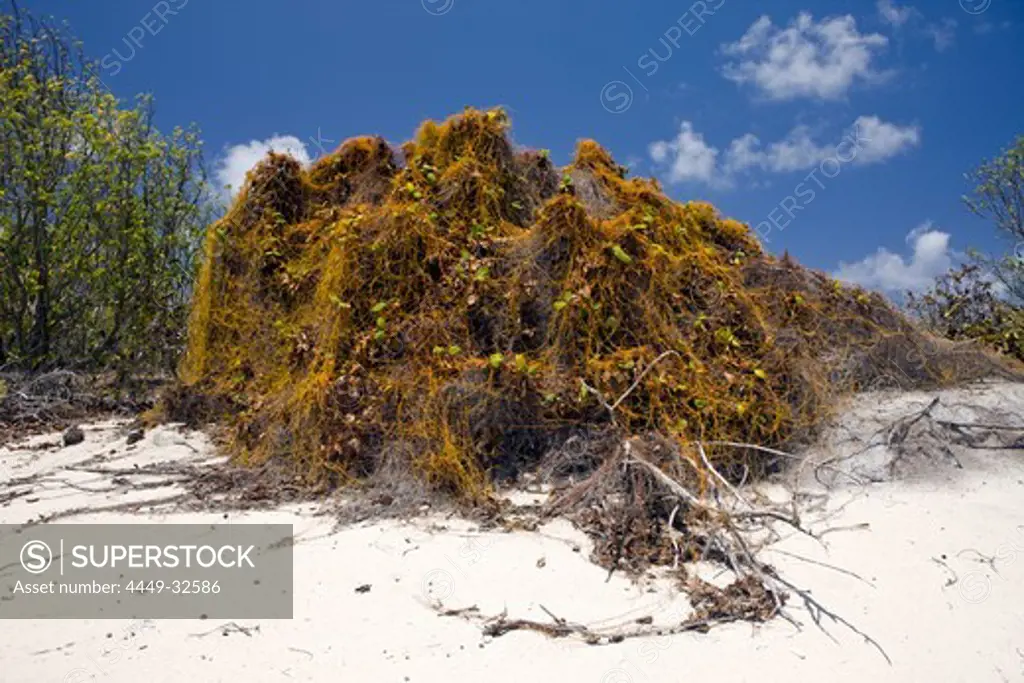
(100, 214)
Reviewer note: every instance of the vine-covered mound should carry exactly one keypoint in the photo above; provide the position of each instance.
(459, 308)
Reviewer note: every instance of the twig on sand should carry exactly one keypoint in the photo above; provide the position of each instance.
(8, 497)
(224, 629)
(557, 620)
(783, 454)
(131, 506)
(642, 627)
(846, 527)
(826, 565)
(817, 611)
(979, 425)
(899, 431)
(983, 559)
(954, 578)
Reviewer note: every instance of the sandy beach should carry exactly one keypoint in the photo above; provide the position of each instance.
(928, 565)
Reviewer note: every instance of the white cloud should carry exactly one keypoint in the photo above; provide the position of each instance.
(239, 159)
(893, 14)
(807, 59)
(888, 272)
(943, 35)
(689, 158)
(880, 140)
(744, 152)
(795, 152)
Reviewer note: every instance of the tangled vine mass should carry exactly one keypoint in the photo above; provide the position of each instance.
(460, 309)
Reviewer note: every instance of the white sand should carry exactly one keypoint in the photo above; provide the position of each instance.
(960, 622)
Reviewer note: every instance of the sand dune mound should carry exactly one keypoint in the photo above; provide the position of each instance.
(458, 309)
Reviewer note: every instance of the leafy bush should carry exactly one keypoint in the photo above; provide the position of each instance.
(966, 304)
(100, 214)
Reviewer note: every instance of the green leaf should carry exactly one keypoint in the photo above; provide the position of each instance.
(621, 254)
(521, 364)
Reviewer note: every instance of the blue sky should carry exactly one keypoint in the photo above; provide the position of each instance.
(840, 130)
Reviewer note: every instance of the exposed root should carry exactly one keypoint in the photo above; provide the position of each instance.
(644, 500)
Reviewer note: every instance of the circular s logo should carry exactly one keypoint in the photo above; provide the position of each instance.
(975, 587)
(617, 676)
(438, 585)
(36, 557)
(438, 7)
(975, 6)
(616, 97)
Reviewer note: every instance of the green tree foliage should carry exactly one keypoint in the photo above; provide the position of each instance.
(100, 214)
(999, 190)
(984, 299)
(999, 196)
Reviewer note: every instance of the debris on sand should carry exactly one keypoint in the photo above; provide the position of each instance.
(135, 435)
(73, 435)
(55, 400)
